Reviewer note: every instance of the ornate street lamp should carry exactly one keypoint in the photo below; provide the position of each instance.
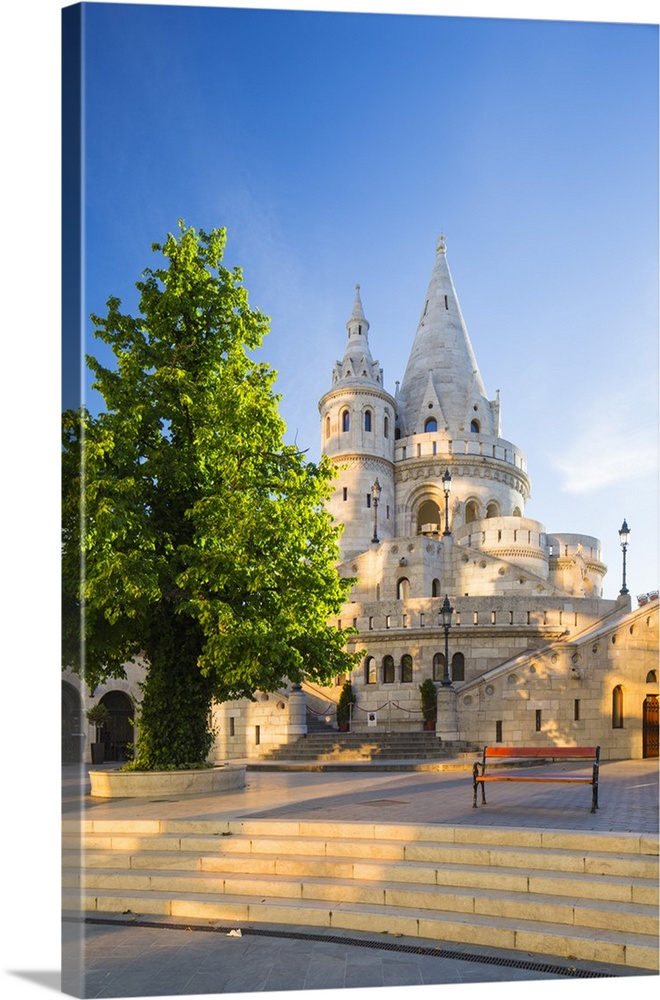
(446, 485)
(624, 531)
(375, 496)
(446, 611)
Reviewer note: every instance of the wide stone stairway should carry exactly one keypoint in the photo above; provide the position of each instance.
(573, 895)
(412, 750)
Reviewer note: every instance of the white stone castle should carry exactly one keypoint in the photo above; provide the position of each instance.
(432, 499)
(453, 581)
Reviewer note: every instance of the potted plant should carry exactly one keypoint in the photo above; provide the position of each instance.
(428, 697)
(99, 717)
(345, 707)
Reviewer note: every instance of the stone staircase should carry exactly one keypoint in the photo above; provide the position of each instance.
(577, 896)
(334, 747)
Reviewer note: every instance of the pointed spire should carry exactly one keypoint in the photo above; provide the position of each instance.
(442, 348)
(357, 363)
(357, 316)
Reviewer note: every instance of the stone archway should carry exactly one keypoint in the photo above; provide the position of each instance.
(429, 518)
(73, 725)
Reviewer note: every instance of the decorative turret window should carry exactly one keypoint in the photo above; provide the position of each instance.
(493, 509)
(430, 425)
(345, 420)
(327, 427)
(386, 427)
(435, 588)
(367, 420)
(403, 589)
(475, 426)
(617, 707)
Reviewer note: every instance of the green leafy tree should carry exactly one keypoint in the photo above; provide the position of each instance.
(193, 535)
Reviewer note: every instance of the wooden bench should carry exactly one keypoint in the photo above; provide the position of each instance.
(514, 755)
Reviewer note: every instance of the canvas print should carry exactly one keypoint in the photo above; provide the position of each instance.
(359, 501)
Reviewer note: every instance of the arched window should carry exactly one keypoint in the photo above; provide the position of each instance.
(406, 669)
(471, 511)
(438, 666)
(397, 433)
(652, 677)
(493, 509)
(386, 427)
(435, 588)
(367, 420)
(403, 589)
(388, 670)
(345, 420)
(458, 667)
(617, 707)
(475, 426)
(327, 427)
(370, 671)
(516, 512)
(431, 425)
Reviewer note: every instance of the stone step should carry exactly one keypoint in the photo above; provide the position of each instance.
(638, 918)
(615, 889)
(636, 950)
(589, 862)
(644, 844)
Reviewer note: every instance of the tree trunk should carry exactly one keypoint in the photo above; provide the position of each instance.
(174, 715)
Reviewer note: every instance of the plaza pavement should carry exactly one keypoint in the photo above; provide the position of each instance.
(130, 958)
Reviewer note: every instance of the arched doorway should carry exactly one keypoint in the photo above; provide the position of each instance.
(119, 732)
(650, 726)
(73, 735)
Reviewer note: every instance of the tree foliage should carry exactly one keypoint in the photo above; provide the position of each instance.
(193, 534)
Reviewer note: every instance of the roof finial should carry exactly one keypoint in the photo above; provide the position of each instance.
(441, 246)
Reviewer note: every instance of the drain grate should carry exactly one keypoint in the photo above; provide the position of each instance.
(569, 971)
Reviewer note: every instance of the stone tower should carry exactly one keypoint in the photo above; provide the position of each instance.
(357, 432)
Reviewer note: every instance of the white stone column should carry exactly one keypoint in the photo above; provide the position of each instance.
(297, 713)
(447, 725)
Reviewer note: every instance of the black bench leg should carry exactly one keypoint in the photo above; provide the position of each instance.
(594, 793)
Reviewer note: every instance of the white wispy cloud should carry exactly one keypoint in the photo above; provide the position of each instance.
(618, 443)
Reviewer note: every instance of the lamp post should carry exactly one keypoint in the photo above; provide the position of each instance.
(375, 496)
(446, 611)
(446, 485)
(624, 531)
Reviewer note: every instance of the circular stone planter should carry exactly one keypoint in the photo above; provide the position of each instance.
(116, 784)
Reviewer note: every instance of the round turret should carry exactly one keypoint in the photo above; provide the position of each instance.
(357, 432)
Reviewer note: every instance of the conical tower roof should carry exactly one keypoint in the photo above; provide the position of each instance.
(357, 365)
(442, 365)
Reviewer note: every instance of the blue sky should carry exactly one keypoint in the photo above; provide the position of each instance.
(335, 147)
